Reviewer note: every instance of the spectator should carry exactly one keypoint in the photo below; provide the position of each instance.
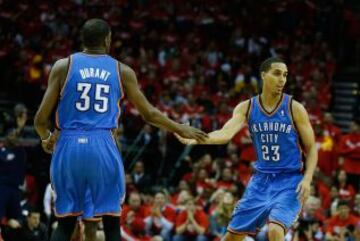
(227, 180)
(346, 190)
(357, 204)
(141, 181)
(162, 217)
(132, 220)
(191, 223)
(33, 229)
(18, 120)
(12, 175)
(222, 215)
(338, 225)
(349, 150)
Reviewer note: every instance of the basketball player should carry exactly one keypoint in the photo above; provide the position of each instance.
(277, 189)
(88, 87)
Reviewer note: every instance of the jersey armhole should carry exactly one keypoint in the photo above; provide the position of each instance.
(292, 113)
(118, 66)
(67, 76)
(248, 111)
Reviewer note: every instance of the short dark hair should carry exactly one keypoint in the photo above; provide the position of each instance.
(266, 65)
(94, 32)
(343, 203)
(32, 210)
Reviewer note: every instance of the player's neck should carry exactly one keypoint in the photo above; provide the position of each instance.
(95, 50)
(270, 100)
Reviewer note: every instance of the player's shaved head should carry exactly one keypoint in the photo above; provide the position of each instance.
(266, 65)
(94, 32)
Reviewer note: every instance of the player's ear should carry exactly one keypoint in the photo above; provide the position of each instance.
(263, 73)
(108, 40)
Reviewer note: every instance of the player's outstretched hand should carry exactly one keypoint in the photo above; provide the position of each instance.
(185, 141)
(49, 144)
(303, 190)
(188, 134)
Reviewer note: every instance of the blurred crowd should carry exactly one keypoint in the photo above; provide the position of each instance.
(195, 60)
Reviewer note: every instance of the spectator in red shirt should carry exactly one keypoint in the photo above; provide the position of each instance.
(132, 219)
(191, 223)
(330, 129)
(162, 217)
(326, 150)
(349, 150)
(339, 225)
(227, 181)
(346, 190)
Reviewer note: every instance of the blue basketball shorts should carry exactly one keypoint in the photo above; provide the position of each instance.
(87, 174)
(267, 198)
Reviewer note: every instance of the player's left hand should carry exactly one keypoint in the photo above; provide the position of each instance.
(303, 190)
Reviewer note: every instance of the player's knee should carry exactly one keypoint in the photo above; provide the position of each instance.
(233, 237)
(276, 230)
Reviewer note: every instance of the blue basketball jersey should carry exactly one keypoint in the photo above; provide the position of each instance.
(91, 95)
(274, 136)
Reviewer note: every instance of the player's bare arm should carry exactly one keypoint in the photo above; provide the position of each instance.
(302, 122)
(50, 99)
(228, 131)
(151, 114)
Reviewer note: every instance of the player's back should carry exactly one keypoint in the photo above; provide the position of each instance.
(91, 95)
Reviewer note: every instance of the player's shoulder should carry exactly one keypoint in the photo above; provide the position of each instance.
(243, 106)
(62, 63)
(297, 106)
(298, 111)
(126, 70)
(61, 66)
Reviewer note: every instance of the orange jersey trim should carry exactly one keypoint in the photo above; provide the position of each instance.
(122, 91)
(240, 233)
(108, 214)
(92, 219)
(67, 214)
(67, 76)
(249, 109)
(274, 110)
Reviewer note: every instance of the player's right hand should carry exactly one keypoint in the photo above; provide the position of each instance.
(188, 132)
(185, 141)
(49, 144)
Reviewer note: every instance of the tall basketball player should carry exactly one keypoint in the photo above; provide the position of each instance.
(88, 87)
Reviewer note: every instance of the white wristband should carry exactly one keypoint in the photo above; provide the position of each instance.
(47, 138)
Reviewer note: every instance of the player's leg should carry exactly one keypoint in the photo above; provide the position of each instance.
(67, 176)
(285, 206)
(106, 180)
(68, 182)
(90, 230)
(64, 230)
(276, 232)
(251, 211)
(111, 228)
(90, 222)
(233, 237)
